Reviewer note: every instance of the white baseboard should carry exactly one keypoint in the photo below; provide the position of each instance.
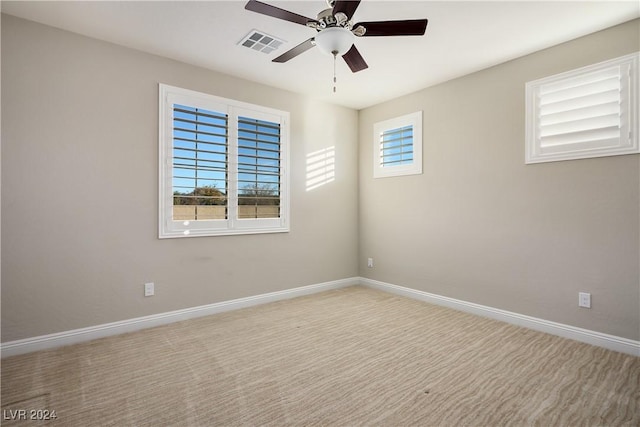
(27, 345)
(43, 342)
(611, 342)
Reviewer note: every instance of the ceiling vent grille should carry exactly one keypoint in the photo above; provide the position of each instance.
(258, 40)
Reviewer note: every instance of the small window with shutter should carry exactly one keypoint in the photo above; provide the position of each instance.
(588, 112)
(397, 146)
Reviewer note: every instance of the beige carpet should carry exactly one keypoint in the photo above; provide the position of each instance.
(348, 357)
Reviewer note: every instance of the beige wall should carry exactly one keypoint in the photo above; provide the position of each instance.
(79, 133)
(80, 137)
(481, 226)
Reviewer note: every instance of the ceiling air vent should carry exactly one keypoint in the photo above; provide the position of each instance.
(257, 40)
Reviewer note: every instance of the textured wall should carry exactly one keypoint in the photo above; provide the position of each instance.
(481, 226)
(80, 141)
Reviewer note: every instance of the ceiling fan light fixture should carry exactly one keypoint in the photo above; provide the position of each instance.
(334, 40)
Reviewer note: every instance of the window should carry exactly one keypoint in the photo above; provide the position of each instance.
(398, 146)
(588, 112)
(223, 166)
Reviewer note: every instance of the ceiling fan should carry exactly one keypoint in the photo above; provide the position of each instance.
(336, 33)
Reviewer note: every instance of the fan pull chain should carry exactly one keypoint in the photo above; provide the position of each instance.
(335, 54)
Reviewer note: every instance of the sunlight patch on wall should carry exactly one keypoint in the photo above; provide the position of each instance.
(320, 167)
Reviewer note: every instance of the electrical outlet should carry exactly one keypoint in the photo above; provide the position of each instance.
(584, 299)
(370, 262)
(149, 289)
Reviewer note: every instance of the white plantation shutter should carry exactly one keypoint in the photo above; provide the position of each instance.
(223, 166)
(582, 109)
(589, 112)
(259, 168)
(398, 146)
(200, 164)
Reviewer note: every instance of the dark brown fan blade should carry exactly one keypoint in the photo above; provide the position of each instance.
(411, 27)
(354, 60)
(348, 7)
(276, 12)
(301, 48)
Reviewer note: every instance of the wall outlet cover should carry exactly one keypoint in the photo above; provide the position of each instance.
(149, 289)
(584, 299)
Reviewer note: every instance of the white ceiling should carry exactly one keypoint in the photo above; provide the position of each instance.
(462, 37)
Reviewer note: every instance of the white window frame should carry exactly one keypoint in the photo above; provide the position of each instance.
(415, 168)
(169, 228)
(627, 143)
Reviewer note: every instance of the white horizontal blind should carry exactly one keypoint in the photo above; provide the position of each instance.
(259, 168)
(396, 146)
(582, 109)
(200, 164)
(588, 112)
